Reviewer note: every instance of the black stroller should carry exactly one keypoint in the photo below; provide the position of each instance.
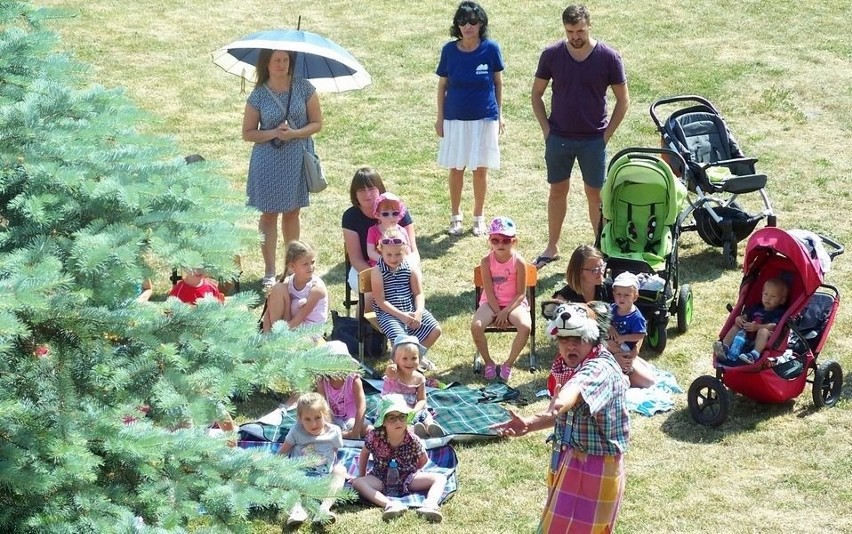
(717, 172)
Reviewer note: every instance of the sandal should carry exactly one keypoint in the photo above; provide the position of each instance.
(479, 228)
(455, 225)
(505, 372)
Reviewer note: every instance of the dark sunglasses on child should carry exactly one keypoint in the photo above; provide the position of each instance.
(501, 240)
(389, 214)
(392, 241)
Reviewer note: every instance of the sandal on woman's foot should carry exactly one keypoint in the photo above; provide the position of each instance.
(268, 282)
(490, 372)
(479, 228)
(455, 225)
(505, 372)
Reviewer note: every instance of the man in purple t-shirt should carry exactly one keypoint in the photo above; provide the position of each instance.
(582, 69)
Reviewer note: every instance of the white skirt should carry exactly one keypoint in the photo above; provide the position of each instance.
(470, 144)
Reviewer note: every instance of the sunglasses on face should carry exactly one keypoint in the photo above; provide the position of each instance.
(597, 270)
(392, 241)
(470, 21)
(501, 240)
(395, 417)
(389, 213)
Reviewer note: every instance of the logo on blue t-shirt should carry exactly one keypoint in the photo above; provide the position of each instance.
(482, 69)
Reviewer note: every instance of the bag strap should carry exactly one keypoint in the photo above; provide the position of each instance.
(278, 100)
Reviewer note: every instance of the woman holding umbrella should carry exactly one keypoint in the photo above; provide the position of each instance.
(281, 115)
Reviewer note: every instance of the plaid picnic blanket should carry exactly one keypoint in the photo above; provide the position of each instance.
(442, 459)
(464, 413)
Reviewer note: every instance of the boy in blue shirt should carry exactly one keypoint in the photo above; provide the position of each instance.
(627, 330)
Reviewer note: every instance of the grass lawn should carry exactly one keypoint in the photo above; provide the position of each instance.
(777, 69)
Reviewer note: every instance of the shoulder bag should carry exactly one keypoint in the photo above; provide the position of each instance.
(311, 166)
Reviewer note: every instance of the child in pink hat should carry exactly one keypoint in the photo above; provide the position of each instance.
(389, 210)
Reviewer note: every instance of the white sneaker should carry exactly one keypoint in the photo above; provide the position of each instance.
(393, 510)
(479, 228)
(455, 225)
(427, 365)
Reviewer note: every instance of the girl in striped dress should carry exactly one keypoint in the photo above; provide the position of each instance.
(398, 294)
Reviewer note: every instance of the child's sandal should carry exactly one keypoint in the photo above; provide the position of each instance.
(432, 515)
(490, 372)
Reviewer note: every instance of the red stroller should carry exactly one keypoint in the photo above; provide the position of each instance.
(789, 360)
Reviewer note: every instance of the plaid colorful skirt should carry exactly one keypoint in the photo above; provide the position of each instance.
(585, 495)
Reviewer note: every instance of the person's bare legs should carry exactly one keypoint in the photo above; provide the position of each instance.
(456, 182)
(557, 206)
(593, 197)
(370, 488)
(268, 227)
(291, 226)
(642, 375)
(520, 319)
(338, 478)
(480, 187)
(481, 319)
(432, 337)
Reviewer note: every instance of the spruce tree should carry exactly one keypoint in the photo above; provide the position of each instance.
(105, 402)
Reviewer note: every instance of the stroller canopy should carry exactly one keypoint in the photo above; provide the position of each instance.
(771, 241)
(641, 201)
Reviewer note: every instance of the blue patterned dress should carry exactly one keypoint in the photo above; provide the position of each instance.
(275, 182)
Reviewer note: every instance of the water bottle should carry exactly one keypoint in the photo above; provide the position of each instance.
(392, 479)
(737, 345)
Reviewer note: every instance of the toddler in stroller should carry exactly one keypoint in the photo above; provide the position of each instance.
(716, 170)
(752, 329)
(788, 359)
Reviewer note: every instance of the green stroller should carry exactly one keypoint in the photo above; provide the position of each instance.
(642, 205)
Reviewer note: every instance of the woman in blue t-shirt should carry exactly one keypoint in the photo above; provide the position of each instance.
(470, 97)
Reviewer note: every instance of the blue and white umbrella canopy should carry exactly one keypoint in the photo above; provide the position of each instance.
(325, 63)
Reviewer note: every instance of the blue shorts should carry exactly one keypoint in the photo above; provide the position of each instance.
(590, 153)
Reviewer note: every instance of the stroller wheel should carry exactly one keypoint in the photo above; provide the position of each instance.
(828, 380)
(684, 308)
(709, 401)
(656, 336)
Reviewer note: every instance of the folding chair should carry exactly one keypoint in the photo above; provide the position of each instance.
(348, 301)
(365, 285)
(532, 280)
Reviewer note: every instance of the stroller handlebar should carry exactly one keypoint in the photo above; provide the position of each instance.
(836, 248)
(673, 99)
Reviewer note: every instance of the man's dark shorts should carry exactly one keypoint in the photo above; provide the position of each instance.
(590, 153)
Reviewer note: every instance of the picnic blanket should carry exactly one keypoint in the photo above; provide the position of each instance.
(442, 459)
(655, 399)
(464, 413)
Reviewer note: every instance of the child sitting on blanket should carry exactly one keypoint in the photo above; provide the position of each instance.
(398, 295)
(314, 435)
(402, 376)
(345, 396)
(398, 460)
(389, 211)
(627, 330)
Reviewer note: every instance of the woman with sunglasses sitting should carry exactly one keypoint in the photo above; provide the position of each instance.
(398, 295)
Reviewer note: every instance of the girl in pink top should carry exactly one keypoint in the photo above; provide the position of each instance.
(503, 302)
(345, 397)
(301, 298)
(389, 211)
